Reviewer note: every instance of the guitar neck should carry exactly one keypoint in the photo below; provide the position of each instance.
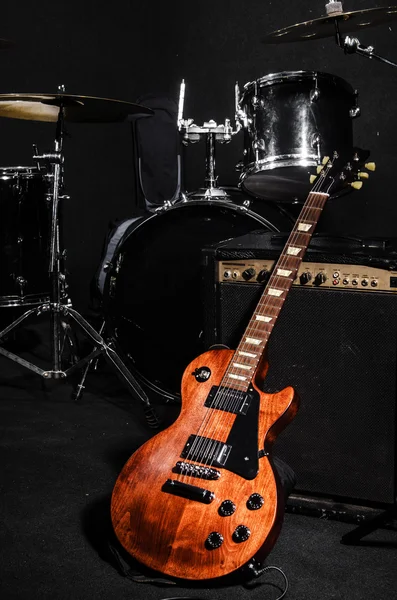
(253, 343)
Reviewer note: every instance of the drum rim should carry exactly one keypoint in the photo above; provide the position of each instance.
(272, 78)
(106, 300)
(222, 203)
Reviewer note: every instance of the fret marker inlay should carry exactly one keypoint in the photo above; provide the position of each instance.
(263, 318)
(233, 376)
(244, 367)
(304, 226)
(293, 251)
(247, 354)
(284, 272)
(274, 292)
(253, 341)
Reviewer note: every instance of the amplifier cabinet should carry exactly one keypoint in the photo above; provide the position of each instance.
(337, 348)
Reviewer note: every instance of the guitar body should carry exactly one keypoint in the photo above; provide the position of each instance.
(175, 534)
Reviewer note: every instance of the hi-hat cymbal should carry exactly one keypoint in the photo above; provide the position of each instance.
(77, 109)
(325, 26)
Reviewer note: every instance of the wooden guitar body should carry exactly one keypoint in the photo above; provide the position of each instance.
(195, 537)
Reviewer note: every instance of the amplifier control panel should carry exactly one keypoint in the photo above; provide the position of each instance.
(311, 274)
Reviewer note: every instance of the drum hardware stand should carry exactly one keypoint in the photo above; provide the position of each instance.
(192, 133)
(351, 45)
(213, 133)
(60, 308)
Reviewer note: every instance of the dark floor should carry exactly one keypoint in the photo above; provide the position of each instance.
(59, 462)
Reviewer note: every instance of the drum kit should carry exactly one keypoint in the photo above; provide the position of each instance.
(289, 121)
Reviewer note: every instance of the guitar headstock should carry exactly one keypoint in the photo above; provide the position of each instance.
(335, 173)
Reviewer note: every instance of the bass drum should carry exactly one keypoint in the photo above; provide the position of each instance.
(153, 289)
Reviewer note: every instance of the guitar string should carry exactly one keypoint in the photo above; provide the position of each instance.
(224, 397)
(253, 327)
(210, 444)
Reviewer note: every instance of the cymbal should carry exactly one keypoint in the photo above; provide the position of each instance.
(325, 26)
(77, 109)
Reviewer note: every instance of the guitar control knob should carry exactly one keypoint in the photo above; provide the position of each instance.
(214, 540)
(305, 277)
(320, 278)
(227, 508)
(255, 502)
(248, 274)
(262, 275)
(241, 534)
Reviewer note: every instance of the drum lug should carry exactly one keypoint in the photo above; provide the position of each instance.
(355, 111)
(257, 102)
(314, 94)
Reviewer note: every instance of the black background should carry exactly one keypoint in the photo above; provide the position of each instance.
(127, 48)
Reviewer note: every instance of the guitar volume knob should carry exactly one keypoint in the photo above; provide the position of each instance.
(241, 534)
(214, 540)
(255, 502)
(227, 508)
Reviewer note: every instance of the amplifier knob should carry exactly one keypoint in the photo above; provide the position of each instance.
(345, 281)
(248, 274)
(320, 278)
(262, 275)
(374, 283)
(305, 277)
(364, 282)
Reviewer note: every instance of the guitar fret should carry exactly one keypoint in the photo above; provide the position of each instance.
(264, 318)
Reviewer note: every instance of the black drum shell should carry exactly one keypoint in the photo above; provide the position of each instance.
(285, 113)
(153, 292)
(24, 236)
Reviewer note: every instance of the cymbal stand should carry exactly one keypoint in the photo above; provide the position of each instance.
(59, 306)
(351, 45)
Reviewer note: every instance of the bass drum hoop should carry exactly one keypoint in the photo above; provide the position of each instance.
(116, 266)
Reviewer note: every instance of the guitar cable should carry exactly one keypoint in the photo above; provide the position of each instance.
(250, 585)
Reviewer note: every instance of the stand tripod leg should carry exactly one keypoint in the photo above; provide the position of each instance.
(115, 361)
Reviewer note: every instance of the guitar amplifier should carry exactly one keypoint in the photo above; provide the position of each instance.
(335, 342)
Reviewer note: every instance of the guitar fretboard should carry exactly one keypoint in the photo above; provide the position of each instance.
(253, 343)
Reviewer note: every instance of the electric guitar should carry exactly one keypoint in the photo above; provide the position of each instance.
(201, 499)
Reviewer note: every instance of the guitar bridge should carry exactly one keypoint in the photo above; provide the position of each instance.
(185, 468)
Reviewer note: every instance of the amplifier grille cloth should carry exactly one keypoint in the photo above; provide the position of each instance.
(338, 350)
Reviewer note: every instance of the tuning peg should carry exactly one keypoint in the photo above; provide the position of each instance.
(371, 166)
(313, 179)
(325, 160)
(363, 175)
(357, 185)
(319, 169)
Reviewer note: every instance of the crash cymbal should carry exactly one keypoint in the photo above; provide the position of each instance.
(325, 26)
(77, 109)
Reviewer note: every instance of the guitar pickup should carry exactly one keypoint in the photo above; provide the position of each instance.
(185, 490)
